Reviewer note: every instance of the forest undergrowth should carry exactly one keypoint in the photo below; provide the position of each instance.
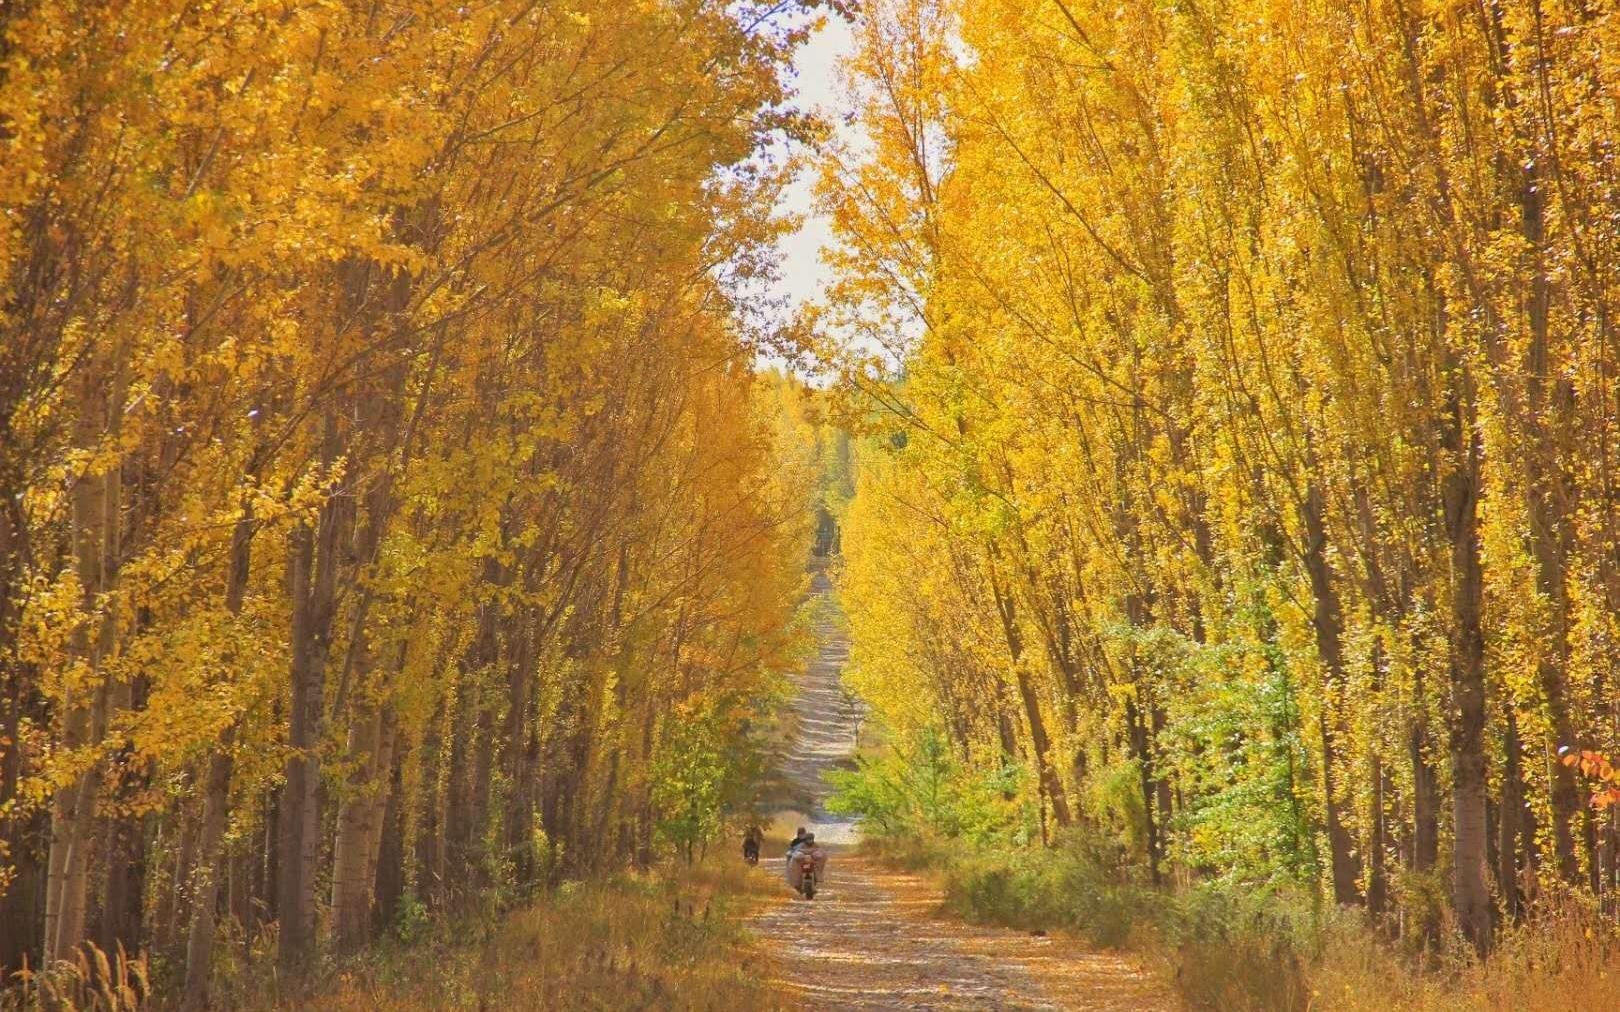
(1267, 954)
(1223, 945)
(669, 937)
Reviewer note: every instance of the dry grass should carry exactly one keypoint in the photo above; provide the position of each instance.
(1566, 957)
(91, 980)
(1566, 960)
(670, 939)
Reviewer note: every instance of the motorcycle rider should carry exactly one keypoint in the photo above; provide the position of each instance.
(753, 836)
(798, 838)
(804, 843)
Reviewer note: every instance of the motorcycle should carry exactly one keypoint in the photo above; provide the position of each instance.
(751, 852)
(807, 874)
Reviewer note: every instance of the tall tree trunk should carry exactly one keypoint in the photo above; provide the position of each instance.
(383, 778)
(482, 772)
(123, 855)
(514, 755)
(1377, 876)
(1051, 785)
(1327, 620)
(173, 901)
(216, 801)
(312, 588)
(463, 828)
(95, 526)
(298, 795)
(389, 879)
(200, 940)
(1470, 889)
(1508, 818)
(1140, 746)
(430, 845)
(351, 878)
(1425, 798)
(25, 831)
(1425, 816)
(1549, 415)
(360, 825)
(267, 875)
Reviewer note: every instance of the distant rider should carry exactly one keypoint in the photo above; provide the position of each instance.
(798, 838)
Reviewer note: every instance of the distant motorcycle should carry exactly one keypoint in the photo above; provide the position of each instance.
(805, 863)
(806, 867)
(751, 851)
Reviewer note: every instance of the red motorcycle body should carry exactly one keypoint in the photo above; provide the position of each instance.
(807, 876)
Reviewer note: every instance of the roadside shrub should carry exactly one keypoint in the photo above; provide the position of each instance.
(1243, 951)
(1082, 884)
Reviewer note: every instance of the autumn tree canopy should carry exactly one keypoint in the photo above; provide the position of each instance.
(387, 501)
(1241, 387)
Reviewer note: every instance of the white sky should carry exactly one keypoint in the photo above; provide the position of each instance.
(816, 77)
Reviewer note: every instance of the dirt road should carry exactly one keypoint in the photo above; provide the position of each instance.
(874, 938)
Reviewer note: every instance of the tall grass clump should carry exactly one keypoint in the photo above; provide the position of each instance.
(93, 979)
(1564, 957)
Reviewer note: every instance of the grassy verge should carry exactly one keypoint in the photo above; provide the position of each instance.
(669, 939)
(1278, 953)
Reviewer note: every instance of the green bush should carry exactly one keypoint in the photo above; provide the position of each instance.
(918, 788)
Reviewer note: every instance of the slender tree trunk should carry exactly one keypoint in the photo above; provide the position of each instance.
(1377, 876)
(464, 828)
(457, 825)
(200, 941)
(360, 823)
(520, 678)
(390, 861)
(27, 832)
(429, 857)
(22, 902)
(1327, 620)
(298, 795)
(1470, 889)
(482, 772)
(1549, 415)
(1051, 786)
(312, 587)
(173, 903)
(267, 875)
(351, 879)
(1508, 817)
(95, 526)
(383, 777)
(1425, 799)
(216, 803)
(123, 854)
(1141, 749)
